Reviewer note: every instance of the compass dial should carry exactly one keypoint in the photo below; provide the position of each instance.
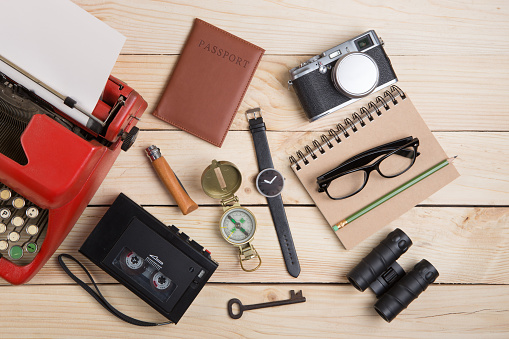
(238, 225)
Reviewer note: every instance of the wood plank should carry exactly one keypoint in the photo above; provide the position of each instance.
(467, 245)
(450, 57)
(482, 163)
(329, 311)
(302, 27)
(437, 85)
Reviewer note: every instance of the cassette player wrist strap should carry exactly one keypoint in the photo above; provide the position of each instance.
(98, 295)
(270, 183)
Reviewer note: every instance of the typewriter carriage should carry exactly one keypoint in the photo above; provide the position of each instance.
(64, 170)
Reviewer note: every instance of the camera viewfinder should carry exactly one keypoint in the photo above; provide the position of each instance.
(364, 42)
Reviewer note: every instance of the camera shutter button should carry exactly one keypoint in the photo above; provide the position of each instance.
(355, 75)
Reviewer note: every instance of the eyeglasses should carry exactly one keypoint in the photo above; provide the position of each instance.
(351, 176)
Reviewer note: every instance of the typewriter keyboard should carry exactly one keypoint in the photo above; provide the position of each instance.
(22, 227)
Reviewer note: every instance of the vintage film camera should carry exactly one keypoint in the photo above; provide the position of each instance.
(394, 288)
(342, 75)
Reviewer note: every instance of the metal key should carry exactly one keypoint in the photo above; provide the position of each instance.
(294, 298)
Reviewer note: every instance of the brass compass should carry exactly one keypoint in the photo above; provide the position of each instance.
(237, 225)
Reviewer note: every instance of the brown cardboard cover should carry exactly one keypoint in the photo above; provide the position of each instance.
(402, 120)
(208, 82)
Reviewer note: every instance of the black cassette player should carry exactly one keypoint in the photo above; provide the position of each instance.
(161, 265)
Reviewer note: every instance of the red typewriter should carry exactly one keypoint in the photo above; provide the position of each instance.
(50, 168)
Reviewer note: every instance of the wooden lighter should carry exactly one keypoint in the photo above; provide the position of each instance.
(170, 180)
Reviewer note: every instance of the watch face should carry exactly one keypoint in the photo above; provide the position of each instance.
(238, 225)
(270, 182)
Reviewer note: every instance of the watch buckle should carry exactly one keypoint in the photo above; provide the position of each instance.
(254, 112)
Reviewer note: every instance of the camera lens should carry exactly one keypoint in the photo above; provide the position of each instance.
(355, 75)
(379, 259)
(406, 290)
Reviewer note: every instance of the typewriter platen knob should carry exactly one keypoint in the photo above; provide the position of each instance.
(129, 138)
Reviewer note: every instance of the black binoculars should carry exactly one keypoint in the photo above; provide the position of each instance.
(394, 288)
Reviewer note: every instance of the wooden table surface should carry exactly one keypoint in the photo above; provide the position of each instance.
(452, 59)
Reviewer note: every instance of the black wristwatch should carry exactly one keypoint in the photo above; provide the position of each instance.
(270, 183)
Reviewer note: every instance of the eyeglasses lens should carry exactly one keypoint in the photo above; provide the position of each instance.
(398, 162)
(347, 184)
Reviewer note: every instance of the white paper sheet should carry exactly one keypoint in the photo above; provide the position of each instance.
(61, 45)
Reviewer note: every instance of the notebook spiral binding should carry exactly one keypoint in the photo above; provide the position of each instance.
(350, 125)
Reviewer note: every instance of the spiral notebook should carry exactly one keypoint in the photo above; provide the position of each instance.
(389, 117)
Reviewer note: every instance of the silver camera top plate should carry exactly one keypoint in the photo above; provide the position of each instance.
(334, 53)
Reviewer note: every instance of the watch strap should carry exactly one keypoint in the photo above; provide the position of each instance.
(277, 211)
(257, 128)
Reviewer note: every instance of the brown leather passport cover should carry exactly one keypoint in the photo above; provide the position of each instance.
(208, 83)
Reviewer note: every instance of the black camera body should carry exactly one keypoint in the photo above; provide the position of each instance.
(394, 288)
(342, 75)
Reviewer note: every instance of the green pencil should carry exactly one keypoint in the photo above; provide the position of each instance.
(393, 193)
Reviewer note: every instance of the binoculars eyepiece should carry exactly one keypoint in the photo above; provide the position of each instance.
(394, 288)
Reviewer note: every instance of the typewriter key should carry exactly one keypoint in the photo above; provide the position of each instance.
(31, 247)
(18, 203)
(5, 213)
(5, 194)
(16, 252)
(17, 221)
(32, 229)
(3, 245)
(32, 212)
(14, 236)
(3, 228)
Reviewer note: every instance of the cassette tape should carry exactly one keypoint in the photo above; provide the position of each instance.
(160, 264)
